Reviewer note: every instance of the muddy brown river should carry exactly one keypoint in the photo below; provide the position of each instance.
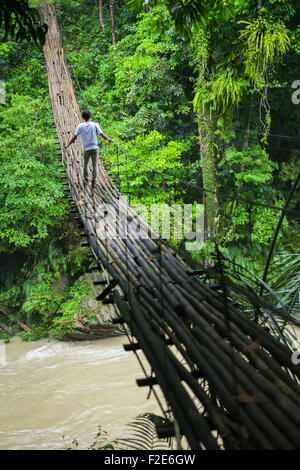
(50, 389)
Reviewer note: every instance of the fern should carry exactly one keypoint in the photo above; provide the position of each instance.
(140, 434)
(285, 276)
(224, 90)
(265, 40)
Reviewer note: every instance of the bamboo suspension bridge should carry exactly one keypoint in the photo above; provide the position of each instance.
(227, 382)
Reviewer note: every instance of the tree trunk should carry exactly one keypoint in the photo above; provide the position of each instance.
(6, 328)
(208, 166)
(101, 15)
(21, 324)
(206, 121)
(112, 20)
(248, 128)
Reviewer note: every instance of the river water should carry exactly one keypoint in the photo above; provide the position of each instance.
(51, 389)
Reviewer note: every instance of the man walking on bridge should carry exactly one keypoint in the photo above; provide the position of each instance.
(89, 131)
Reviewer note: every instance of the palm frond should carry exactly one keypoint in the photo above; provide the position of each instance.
(285, 276)
(279, 305)
(140, 434)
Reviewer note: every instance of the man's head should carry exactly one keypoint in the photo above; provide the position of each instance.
(86, 115)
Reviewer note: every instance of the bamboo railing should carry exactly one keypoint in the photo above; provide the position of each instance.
(228, 383)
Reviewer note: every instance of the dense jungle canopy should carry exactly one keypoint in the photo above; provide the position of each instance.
(205, 91)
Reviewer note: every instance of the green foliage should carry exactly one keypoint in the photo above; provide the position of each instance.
(266, 39)
(4, 336)
(39, 255)
(31, 194)
(251, 165)
(68, 308)
(274, 308)
(259, 44)
(10, 297)
(21, 21)
(152, 151)
(44, 290)
(57, 259)
(38, 331)
(284, 275)
(295, 38)
(264, 223)
(40, 298)
(247, 173)
(76, 259)
(143, 83)
(224, 90)
(188, 15)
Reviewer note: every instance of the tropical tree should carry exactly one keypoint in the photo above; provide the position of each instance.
(21, 21)
(101, 15)
(112, 21)
(232, 63)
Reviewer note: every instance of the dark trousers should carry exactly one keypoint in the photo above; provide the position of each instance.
(94, 155)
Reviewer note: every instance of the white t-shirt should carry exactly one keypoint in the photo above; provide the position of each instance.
(88, 132)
